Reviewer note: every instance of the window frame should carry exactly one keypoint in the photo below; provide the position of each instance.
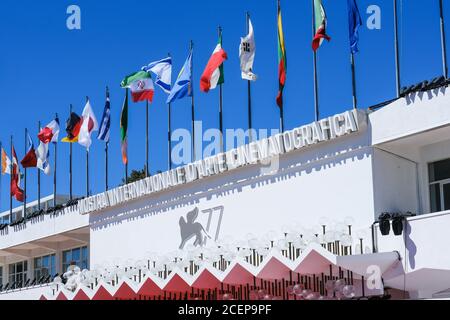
(80, 263)
(51, 267)
(13, 277)
(440, 183)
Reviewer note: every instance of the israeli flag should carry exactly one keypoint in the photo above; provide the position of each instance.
(163, 71)
(43, 158)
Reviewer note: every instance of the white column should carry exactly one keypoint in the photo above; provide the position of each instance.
(58, 261)
(5, 274)
(30, 269)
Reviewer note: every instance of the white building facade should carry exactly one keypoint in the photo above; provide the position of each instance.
(346, 170)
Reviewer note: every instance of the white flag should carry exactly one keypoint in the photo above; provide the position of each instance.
(43, 155)
(89, 125)
(247, 54)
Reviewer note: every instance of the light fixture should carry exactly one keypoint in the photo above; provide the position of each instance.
(385, 224)
(398, 222)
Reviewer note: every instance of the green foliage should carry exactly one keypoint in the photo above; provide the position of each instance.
(136, 175)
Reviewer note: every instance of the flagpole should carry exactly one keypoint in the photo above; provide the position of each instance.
(25, 180)
(443, 40)
(397, 54)
(281, 107)
(126, 164)
(87, 173)
(147, 170)
(169, 130)
(169, 136)
(282, 119)
(106, 166)
(87, 164)
(11, 176)
(39, 177)
(70, 160)
(55, 144)
(355, 101)
(316, 85)
(106, 152)
(192, 103)
(221, 100)
(1, 175)
(249, 95)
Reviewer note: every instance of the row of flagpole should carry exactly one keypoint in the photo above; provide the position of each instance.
(39, 158)
(184, 89)
(397, 47)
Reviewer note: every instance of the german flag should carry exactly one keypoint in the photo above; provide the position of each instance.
(282, 62)
(73, 125)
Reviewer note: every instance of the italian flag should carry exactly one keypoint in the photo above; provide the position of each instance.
(320, 19)
(282, 62)
(213, 74)
(140, 85)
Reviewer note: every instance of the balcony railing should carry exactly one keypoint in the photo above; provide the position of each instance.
(26, 285)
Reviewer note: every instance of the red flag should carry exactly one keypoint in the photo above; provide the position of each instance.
(282, 61)
(213, 74)
(50, 133)
(46, 135)
(30, 159)
(15, 178)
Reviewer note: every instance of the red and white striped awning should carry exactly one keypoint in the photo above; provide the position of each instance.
(314, 260)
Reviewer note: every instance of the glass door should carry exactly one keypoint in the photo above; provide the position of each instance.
(445, 196)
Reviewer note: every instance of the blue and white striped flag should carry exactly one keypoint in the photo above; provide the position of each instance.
(104, 132)
(163, 71)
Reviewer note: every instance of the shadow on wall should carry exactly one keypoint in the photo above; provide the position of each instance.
(410, 99)
(36, 220)
(410, 246)
(292, 166)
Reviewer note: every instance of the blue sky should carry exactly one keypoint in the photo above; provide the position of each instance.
(44, 67)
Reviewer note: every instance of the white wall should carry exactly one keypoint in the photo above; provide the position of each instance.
(417, 128)
(42, 227)
(395, 184)
(417, 113)
(427, 240)
(334, 180)
(34, 293)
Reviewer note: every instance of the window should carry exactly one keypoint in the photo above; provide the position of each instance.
(4, 219)
(44, 266)
(439, 173)
(18, 273)
(1, 276)
(16, 215)
(78, 257)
